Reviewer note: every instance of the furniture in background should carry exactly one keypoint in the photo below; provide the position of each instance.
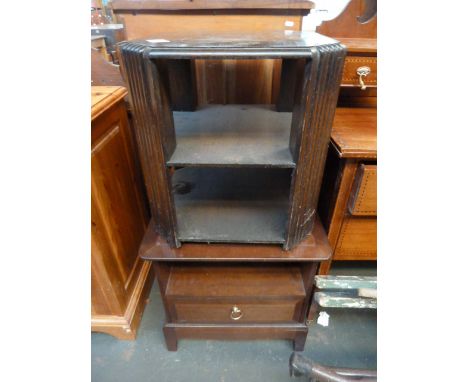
(230, 184)
(103, 72)
(348, 198)
(120, 280)
(361, 43)
(240, 81)
(98, 44)
(113, 34)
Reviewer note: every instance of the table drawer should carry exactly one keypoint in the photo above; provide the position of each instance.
(224, 312)
(351, 66)
(235, 293)
(358, 239)
(363, 197)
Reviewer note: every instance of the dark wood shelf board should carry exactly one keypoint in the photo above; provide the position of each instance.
(235, 205)
(232, 135)
(314, 247)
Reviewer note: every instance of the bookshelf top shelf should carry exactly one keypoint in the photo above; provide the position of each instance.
(231, 136)
(267, 44)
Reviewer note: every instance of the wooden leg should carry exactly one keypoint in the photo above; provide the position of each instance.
(312, 312)
(300, 341)
(324, 267)
(171, 339)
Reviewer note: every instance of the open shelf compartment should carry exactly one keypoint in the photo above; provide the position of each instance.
(235, 205)
(232, 135)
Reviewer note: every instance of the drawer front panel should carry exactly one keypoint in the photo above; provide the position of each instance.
(235, 281)
(363, 197)
(200, 312)
(350, 76)
(358, 239)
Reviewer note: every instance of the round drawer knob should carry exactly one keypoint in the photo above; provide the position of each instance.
(236, 313)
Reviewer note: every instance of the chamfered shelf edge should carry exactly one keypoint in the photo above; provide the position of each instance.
(232, 135)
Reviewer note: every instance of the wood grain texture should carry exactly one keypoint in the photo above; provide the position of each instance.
(245, 282)
(154, 132)
(105, 97)
(119, 278)
(103, 72)
(350, 76)
(363, 196)
(346, 25)
(360, 46)
(354, 133)
(313, 113)
(345, 182)
(358, 239)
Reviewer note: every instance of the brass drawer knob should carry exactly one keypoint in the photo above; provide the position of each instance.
(363, 71)
(236, 313)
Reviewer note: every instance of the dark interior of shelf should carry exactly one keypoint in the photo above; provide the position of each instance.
(235, 205)
(232, 135)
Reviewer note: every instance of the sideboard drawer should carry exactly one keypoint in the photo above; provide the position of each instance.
(201, 293)
(363, 197)
(350, 71)
(236, 312)
(358, 239)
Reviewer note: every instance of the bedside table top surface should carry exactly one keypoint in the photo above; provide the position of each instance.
(359, 45)
(354, 132)
(314, 247)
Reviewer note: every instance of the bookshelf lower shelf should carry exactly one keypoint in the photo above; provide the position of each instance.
(232, 205)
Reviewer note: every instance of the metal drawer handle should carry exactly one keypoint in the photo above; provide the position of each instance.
(236, 313)
(362, 71)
